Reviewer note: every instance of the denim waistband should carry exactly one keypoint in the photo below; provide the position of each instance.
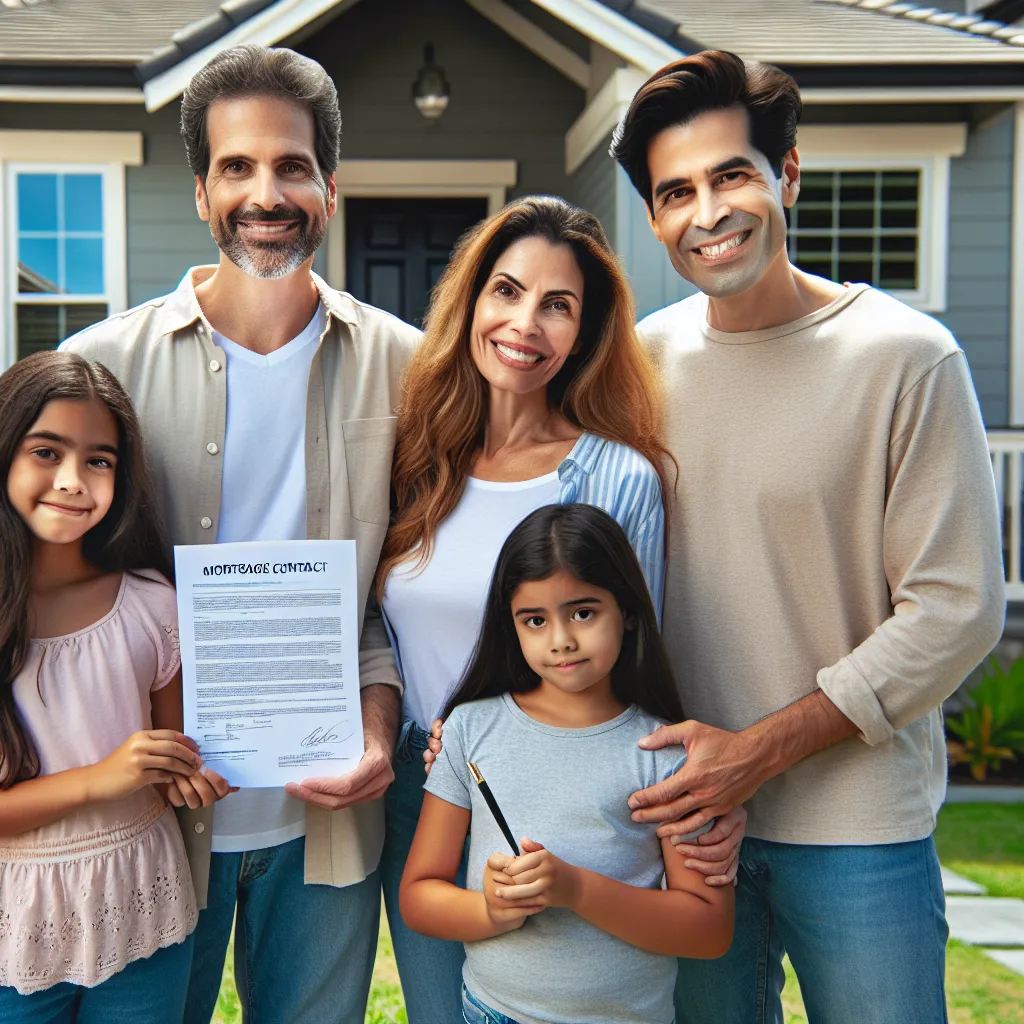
(412, 741)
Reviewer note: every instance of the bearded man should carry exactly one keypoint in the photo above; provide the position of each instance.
(267, 403)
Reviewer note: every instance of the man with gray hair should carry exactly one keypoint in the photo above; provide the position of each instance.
(267, 403)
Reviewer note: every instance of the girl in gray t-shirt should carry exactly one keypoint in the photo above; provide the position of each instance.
(583, 927)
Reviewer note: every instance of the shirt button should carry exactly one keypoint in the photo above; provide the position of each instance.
(199, 827)
(215, 365)
(212, 448)
(200, 329)
(206, 522)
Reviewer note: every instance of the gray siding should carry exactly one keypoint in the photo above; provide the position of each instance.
(592, 186)
(165, 237)
(505, 103)
(655, 282)
(978, 288)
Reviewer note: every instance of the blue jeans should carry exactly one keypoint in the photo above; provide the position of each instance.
(430, 969)
(150, 990)
(303, 953)
(475, 1012)
(864, 927)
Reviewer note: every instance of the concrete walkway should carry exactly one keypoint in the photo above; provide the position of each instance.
(996, 925)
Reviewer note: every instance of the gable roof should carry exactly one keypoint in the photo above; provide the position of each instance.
(127, 42)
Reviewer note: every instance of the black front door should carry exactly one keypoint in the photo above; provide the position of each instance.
(396, 249)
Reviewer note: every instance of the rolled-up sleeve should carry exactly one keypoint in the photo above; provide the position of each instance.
(942, 557)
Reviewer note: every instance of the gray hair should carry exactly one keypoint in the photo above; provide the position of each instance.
(252, 70)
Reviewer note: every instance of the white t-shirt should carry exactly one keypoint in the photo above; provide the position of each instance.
(435, 614)
(263, 497)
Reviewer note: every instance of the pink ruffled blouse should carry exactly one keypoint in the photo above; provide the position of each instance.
(82, 897)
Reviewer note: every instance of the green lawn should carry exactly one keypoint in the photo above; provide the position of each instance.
(984, 842)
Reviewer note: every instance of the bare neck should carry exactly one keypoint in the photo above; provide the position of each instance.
(258, 314)
(520, 421)
(59, 565)
(783, 294)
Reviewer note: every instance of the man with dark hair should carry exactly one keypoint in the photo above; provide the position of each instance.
(267, 404)
(834, 567)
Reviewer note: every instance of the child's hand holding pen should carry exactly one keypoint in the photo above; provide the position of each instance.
(537, 878)
(505, 914)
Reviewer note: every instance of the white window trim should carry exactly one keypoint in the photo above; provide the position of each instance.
(923, 147)
(106, 153)
(429, 179)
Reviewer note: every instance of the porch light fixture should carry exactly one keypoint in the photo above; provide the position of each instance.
(430, 91)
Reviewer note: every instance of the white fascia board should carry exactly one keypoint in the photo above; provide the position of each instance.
(837, 141)
(600, 116)
(448, 174)
(534, 39)
(67, 94)
(632, 43)
(270, 26)
(931, 94)
(72, 147)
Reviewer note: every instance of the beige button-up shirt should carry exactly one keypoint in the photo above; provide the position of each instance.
(164, 354)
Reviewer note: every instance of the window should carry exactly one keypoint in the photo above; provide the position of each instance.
(59, 263)
(62, 225)
(859, 226)
(874, 206)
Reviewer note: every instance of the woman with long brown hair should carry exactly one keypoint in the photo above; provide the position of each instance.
(529, 389)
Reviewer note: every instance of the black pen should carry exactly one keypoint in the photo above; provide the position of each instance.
(493, 805)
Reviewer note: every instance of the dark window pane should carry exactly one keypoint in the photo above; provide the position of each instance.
(856, 243)
(83, 202)
(37, 202)
(855, 270)
(857, 188)
(857, 215)
(823, 268)
(815, 243)
(899, 243)
(899, 217)
(813, 216)
(44, 327)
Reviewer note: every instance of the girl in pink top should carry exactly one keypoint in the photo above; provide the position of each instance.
(96, 900)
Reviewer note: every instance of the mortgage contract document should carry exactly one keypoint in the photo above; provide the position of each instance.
(270, 658)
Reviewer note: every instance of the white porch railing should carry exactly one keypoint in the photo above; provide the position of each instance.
(1007, 450)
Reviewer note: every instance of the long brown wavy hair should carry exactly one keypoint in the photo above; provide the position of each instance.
(607, 387)
(127, 539)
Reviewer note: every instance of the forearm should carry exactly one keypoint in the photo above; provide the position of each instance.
(440, 909)
(806, 727)
(382, 708)
(672, 922)
(47, 798)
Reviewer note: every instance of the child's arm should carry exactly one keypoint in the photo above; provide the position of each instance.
(430, 901)
(201, 789)
(146, 757)
(688, 919)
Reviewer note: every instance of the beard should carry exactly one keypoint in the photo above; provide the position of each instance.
(268, 259)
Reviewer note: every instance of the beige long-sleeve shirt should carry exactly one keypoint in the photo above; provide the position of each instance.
(835, 526)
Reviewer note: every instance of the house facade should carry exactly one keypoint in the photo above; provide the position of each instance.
(912, 148)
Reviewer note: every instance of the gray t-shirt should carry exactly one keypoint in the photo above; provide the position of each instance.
(567, 789)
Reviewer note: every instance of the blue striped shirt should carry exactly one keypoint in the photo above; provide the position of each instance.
(623, 483)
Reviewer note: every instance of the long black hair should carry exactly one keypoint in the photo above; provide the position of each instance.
(127, 539)
(586, 542)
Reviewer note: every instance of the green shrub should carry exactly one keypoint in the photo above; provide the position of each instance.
(993, 730)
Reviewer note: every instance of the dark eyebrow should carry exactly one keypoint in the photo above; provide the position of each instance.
(46, 435)
(568, 604)
(730, 165)
(547, 295)
(726, 165)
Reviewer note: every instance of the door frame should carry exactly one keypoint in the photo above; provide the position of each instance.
(429, 179)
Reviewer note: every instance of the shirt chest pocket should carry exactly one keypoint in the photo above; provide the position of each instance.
(369, 446)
